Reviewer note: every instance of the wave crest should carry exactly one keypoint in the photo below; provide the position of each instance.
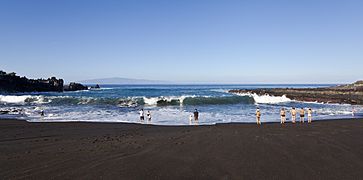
(12, 99)
(266, 99)
(218, 100)
(127, 102)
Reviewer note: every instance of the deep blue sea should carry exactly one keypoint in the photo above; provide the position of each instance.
(168, 104)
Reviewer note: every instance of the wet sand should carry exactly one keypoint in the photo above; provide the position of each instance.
(322, 150)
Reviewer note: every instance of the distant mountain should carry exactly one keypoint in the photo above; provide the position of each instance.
(117, 80)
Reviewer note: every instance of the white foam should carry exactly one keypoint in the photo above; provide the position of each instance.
(20, 99)
(13, 99)
(171, 115)
(98, 89)
(85, 100)
(180, 98)
(160, 116)
(266, 99)
(330, 111)
(151, 100)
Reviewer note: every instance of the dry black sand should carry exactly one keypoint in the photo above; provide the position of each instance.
(322, 150)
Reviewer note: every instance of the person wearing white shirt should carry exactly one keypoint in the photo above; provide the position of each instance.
(142, 117)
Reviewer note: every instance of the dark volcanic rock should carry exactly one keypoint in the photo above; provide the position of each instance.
(4, 111)
(95, 87)
(350, 94)
(10, 82)
(75, 87)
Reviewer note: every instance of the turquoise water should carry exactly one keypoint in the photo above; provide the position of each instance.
(168, 104)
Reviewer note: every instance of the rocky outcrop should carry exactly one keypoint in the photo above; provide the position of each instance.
(349, 94)
(95, 87)
(75, 87)
(10, 82)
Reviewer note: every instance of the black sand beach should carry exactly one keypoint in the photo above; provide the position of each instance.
(322, 150)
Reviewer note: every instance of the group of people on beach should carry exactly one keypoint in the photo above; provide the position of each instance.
(194, 116)
(293, 113)
(142, 115)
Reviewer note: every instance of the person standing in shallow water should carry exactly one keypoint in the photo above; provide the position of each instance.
(258, 116)
(196, 115)
(310, 115)
(293, 115)
(148, 115)
(283, 115)
(142, 117)
(302, 115)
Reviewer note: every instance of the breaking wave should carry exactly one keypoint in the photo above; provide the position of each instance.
(218, 100)
(266, 99)
(246, 98)
(127, 102)
(21, 99)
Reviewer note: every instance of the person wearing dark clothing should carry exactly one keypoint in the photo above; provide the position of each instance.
(196, 115)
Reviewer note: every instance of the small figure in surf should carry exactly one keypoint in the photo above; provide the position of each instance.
(283, 115)
(310, 115)
(191, 120)
(302, 115)
(42, 113)
(148, 114)
(196, 115)
(293, 115)
(258, 116)
(142, 117)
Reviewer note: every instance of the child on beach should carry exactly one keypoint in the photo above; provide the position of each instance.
(191, 122)
(283, 115)
(293, 115)
(310, 112)
(148, 116)
(258, 116)
(302, 115)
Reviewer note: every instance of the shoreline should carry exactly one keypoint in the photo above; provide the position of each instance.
(329, 149)
(339, 118)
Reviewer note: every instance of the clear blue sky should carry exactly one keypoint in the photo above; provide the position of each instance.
(245, 41)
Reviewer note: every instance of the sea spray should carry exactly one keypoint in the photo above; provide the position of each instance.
(266, 99)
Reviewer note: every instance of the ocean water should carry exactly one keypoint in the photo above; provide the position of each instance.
(168, 104)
